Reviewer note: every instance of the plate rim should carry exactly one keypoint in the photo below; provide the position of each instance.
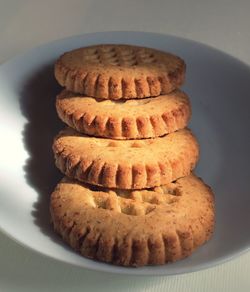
(131, 271)
(126, 271)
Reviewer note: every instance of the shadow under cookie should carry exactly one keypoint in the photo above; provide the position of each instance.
(37, 104)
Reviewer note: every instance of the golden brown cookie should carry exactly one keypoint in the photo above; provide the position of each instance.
(134, 228)
(119, 71)
(124, 119)
(126, 164)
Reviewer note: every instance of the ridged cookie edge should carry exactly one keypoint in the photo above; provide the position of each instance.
(127, 251)
(117, 86)
(136, 127)
(114, 175)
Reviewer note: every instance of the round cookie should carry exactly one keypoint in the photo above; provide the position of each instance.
(134, 228)
(119, 71)
(126, 164)
(124, 119)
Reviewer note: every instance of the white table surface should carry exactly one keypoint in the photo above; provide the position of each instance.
(24, 24)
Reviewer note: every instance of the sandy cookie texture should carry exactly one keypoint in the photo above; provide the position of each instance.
(134, 228)
(119, 71)
(126, 164)
(124, 119)
(129, 196)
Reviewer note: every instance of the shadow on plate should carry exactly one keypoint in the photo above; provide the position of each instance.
(37, 104)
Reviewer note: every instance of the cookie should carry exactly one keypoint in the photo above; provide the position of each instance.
(119, 71)
(126, 164)
(134, 228)
(124, 119)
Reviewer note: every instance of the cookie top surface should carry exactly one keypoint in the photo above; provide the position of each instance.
(126, 163)
(124, 119)
(164, 223)
(119, 71)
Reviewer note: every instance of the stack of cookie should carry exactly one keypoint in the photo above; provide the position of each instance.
(128, 197)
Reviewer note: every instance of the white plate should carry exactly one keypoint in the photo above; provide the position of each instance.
(219, 87)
